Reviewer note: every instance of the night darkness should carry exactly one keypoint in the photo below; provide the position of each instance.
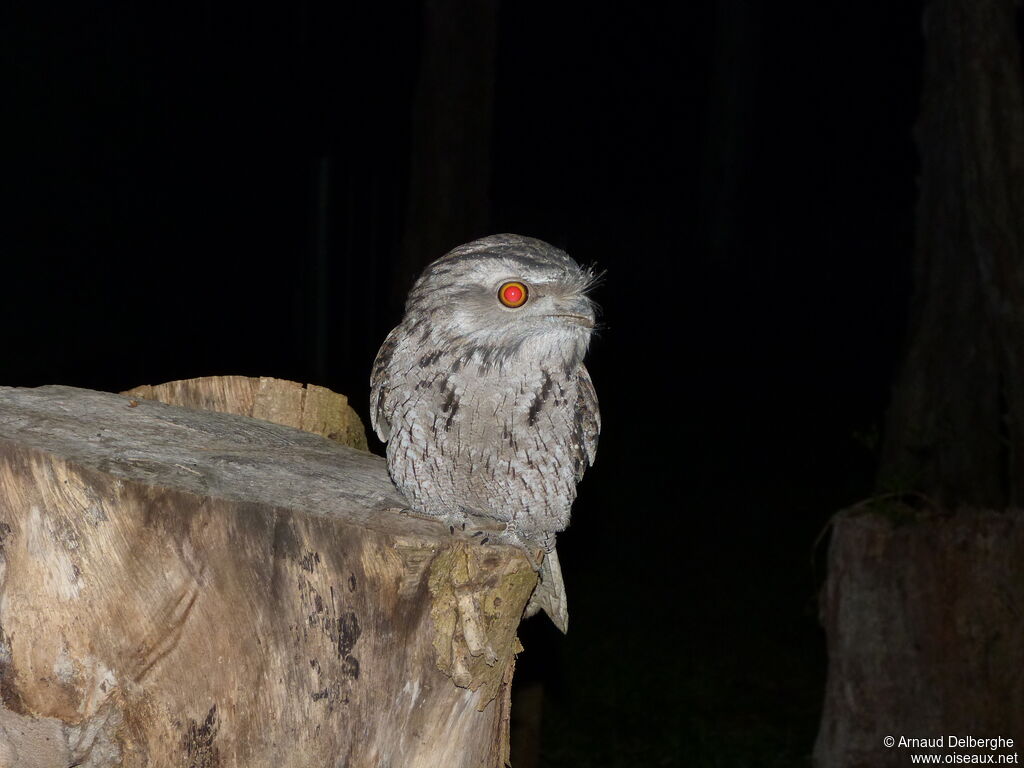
(197, 190)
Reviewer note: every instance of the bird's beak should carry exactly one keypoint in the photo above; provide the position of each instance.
(580, 312)
(582, 320)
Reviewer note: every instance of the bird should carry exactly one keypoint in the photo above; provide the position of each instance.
(482, 396)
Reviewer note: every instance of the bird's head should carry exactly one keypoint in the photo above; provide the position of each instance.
(504, 297)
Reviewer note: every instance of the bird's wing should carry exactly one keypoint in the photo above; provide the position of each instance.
(587, 423)
(380, 387)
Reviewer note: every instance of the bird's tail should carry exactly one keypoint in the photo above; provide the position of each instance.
(549, 596)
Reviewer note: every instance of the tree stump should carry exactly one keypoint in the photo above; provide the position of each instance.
(925, 633)
(191, 588)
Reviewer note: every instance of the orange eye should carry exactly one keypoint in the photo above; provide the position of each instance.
(513, 294)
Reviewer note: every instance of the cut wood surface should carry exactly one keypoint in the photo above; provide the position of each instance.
(303, 406)
(189, 588)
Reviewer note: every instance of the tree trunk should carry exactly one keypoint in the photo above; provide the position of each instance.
(925, 639)
(955, 428)
(450, 175)
(191, 588)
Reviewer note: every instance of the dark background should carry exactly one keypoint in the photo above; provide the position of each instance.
(196, 190)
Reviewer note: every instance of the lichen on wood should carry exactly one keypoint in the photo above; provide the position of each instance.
(475, 592)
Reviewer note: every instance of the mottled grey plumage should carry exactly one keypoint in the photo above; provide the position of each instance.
(487, 409)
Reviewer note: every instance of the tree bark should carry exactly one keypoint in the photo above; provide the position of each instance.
(925, 635)
(191, 588)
